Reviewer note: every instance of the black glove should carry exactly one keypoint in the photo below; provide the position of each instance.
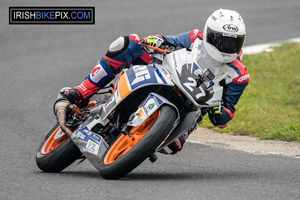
(214, 112)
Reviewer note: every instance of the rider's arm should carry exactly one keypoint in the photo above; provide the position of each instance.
(232, 94)
(184, 40)
(126, 50)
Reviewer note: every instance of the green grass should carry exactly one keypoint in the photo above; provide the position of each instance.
(270, 105)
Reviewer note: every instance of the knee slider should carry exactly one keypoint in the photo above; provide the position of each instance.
(118, 46)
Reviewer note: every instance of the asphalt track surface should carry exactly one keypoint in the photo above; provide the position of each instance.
(36, 61)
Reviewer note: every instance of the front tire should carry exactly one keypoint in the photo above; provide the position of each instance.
(129, 151)
(56, 152)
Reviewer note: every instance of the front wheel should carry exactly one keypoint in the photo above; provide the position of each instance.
(129, 151)
(57, 151)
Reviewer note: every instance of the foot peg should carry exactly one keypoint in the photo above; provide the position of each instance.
(153, 158)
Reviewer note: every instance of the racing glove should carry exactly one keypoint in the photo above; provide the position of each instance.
(214, 113)
(153, 41)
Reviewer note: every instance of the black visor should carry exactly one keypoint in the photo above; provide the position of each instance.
(225, 44)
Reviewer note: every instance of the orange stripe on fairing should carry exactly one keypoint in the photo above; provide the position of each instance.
(123, 87)
(141, 113)
(116, 85)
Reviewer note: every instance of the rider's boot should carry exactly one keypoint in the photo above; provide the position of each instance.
(177, 145)
(80, 94)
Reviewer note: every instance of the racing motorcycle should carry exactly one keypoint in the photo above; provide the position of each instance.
(149, 108)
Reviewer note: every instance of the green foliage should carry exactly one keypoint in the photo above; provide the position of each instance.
(270, 105)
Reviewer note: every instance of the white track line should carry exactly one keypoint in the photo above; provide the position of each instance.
(255, 49)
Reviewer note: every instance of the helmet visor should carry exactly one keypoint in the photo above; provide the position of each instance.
(225, 43)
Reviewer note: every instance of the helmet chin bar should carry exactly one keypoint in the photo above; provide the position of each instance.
(217, 55)
(228, 58)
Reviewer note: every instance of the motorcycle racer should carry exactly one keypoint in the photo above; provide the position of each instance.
(224, 32)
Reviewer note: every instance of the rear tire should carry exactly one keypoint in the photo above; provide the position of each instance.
(54, 155)
(141, 150)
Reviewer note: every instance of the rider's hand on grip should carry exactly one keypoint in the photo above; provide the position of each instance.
(153, 41)
(215, 112)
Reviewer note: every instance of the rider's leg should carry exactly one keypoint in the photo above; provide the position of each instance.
(103, 72)
(99, 77)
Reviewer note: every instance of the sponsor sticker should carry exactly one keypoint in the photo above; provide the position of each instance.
(87, 141)
(85, 134)
(149, 106)
(59, 134)
(92, 147)
(230, 28)
(241, 79)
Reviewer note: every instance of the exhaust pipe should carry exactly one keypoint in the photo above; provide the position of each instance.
(60, 110)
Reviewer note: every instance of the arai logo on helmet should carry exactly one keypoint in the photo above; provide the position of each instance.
(230, 28)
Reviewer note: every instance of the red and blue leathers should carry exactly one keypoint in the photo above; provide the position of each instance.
(126, 51)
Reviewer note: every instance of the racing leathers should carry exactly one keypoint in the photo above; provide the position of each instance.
(126, 51)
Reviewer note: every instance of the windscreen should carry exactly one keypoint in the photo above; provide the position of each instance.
(206, 61)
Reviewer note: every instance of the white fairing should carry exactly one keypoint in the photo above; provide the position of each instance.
(182, 60)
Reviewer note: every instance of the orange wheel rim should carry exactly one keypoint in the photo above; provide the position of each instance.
(52, 142)
(125, 142)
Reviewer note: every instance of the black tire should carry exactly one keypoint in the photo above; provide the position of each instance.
(58, 159)
(142, 149)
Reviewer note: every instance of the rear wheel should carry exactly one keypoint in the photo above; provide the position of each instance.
(56, 152)
(129, 151)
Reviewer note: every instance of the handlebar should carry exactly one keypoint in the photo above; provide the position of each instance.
(163, 51)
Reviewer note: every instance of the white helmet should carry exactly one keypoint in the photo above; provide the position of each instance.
(224, 32)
